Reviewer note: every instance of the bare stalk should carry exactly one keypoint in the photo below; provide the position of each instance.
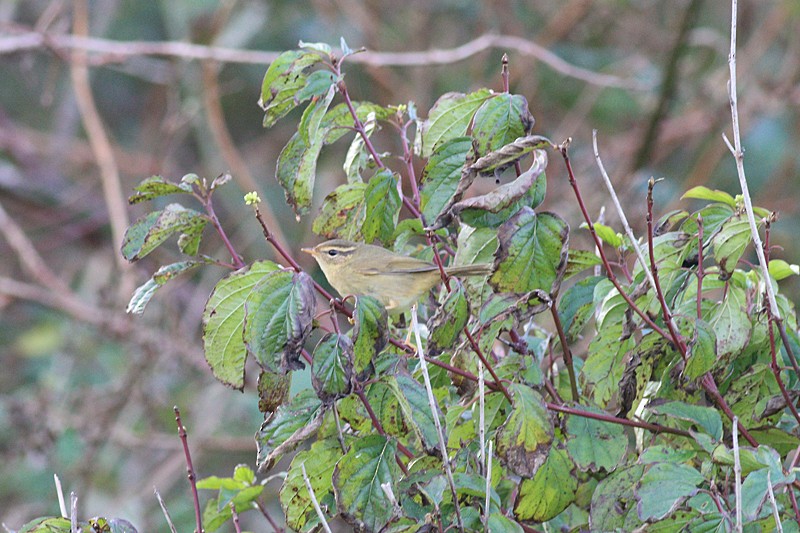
(60, 492)
(165, 511)
(649, 272)
(775, 514)
(737, 472)
(435, 414)
(314, 501)
(73, 513)
(738, 154)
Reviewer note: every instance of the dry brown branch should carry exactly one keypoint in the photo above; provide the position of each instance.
(117, 50)
(101, 146)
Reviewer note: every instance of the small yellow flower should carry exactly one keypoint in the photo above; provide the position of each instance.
(252, 198)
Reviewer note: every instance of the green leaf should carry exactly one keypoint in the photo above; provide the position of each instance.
(613, 499)
(604, 366)
(532, 253)
(780, 269)
(278, 315)
(358, 157)
(730, 323)
(151, 230)
(416, 408)
(575, 306)
(730, 242)
(449, 320)
(663, 487)
(450, 117)
(594, 444)
(343, 213)
(142, 295)
(382, 206)
(500, 120)
(155, 187)
(370, 332)
(332, 367)
(441, 175)
(273, 390)
(702, 350)
(223, 322)
(319, 462)
(662, 453)
(322, 48)
(292, 423)
(550, 491)
(706, 417)
(297, 163)
(524, 440)
(476, 246)
(704, 193)
(580, 260)
(285, 77)
(317, 84)
(244, 474)
(499, 523)
(357, 481)
(46, 524)
(754, 487)
(607, 234)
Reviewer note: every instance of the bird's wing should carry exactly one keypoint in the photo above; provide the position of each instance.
(399, 265)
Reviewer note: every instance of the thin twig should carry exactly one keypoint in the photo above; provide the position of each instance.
(271, 520)
(208, 204)
(165, 511)
(738, 154)
(60, 492)
(573, 382)
(771, 494)
(235, 517)
(30, 259)
(635, 245)
(482, 416)
(73, 513)
(737, 472)
(435, 414)
(117, 50)
(314, 501)
(488, 487)
(189, 469)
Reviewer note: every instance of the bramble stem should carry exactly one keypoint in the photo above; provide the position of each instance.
(666, 313)
(189, 469)
(208, 205)
(573, 384)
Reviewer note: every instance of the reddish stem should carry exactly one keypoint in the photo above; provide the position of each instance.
(573, 384)
(599, 244)
(665, 312)
(208, 205)
(656, 428)
(189, 469)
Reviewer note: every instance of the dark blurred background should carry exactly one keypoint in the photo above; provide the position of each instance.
(86, 392)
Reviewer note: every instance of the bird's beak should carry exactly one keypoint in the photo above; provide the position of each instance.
(308, 250)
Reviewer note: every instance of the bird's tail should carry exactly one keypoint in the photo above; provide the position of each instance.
(479, 269)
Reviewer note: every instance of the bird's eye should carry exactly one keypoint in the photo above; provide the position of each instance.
(333, 253)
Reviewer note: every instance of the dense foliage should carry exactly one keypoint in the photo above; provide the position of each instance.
(584, 389)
